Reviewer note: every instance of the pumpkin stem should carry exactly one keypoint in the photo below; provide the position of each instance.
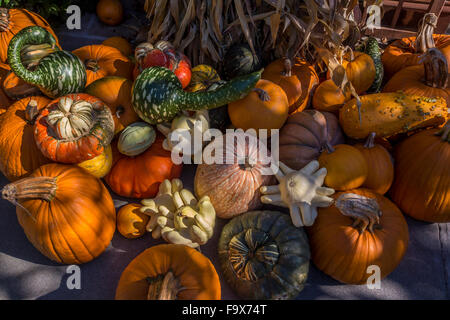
(262, 94)
(119, 111)
(364, 211)
(163, 287)
(287, 67)
(370, 142)
(328, 147)
(445, 132)
(4, 19)
(435, 68)
(31, 112)
(424, 39)
(92, 64)
(30, 188)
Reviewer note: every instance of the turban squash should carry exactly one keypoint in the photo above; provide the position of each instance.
(421, 186)
(66, 213)
(19, 154)
(169, 272)
(361, 229)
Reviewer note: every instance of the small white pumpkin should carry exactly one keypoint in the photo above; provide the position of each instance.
(136, 138)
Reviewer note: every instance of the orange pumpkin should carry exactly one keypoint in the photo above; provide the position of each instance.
(131, 222)
(297, 79)
(115, 92)
(380, 167)
(74, 128)
(19, 154)
(140, 176)
(66, 213)
(14, 20)
(360, 70)
(422, 177)
(110, 12)
(328, 97)
(119, 43)
(346, 166)
(102, 61)
(169, 272)
(15, 88)
(266, 107)
(5, 101)
(361, 229)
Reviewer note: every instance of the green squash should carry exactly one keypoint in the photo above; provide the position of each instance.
(158, 97)
(57, 74)
(372, 48)
(239, 60)
(136, 138)
(263, 256)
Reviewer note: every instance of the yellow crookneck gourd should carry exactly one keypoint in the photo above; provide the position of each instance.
(178, 217)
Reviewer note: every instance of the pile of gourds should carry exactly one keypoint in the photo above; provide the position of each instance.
(349, 168)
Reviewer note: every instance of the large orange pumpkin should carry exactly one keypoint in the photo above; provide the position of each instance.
(266, 107)
(361, 229)
(421, 186)
(169, 272)
(102, 61)
(140, 176)
(14, 20)
(19, 154)
(66, 213)
(116, 93)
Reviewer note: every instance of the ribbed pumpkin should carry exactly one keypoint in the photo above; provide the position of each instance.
(305, 135)
(346, 167)
(100, 165)
(140, 176)
(14, 20)
(66, 213)
(328, 97)
(115, 92)
(361, 229)
(379, 163)
(203, 76)
(131, 222)
(406, 52)
(429, 79)
(169, 272)
(102, 61)
(266, 107)
(422, 177)
(120, 44)
(74, 128)
(136, 138)
(233, 187)
(263, 256)
(19, 154)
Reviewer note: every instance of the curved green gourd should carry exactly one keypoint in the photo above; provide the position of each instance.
(158, 96)
(373, 49)
(57, 74)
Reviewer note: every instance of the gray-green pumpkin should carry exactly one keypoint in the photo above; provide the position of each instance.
(136, 138)
(57, 74)
(263, 256)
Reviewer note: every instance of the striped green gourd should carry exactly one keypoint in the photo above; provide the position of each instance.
(58, 74)
(158, 96)
(372, 49)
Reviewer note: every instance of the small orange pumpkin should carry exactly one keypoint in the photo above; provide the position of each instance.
(119, 43)
(131, 222)
(328, 97)
(110, 12)
(360, 70)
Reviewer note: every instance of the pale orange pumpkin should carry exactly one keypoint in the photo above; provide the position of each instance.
(131, 222)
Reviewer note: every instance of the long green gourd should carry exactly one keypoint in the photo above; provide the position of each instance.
(158, 96)
(57, 74)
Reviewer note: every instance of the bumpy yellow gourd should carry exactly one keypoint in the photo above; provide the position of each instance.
(100, 165)
(177, 216)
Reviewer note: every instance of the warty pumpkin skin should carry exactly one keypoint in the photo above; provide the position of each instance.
(328, 97)
(233, 188)
(263, 256)
(421, 186)
(115, 92)
(19, 154)
(390, 114)
(379, 163)
(342, 246)
(191, 274)
(66, 213)
(140, 176)
(266, 107)
(14, 20)
(304, 136)
(346, 167)
(101, 61)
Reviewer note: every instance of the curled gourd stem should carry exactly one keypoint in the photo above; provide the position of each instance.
(435, 68)
(364, 211)
(370, 142)
(31, 112)
(120, 110)
(424, 39)
(287, 67)
(164, 287)
(262, 94)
